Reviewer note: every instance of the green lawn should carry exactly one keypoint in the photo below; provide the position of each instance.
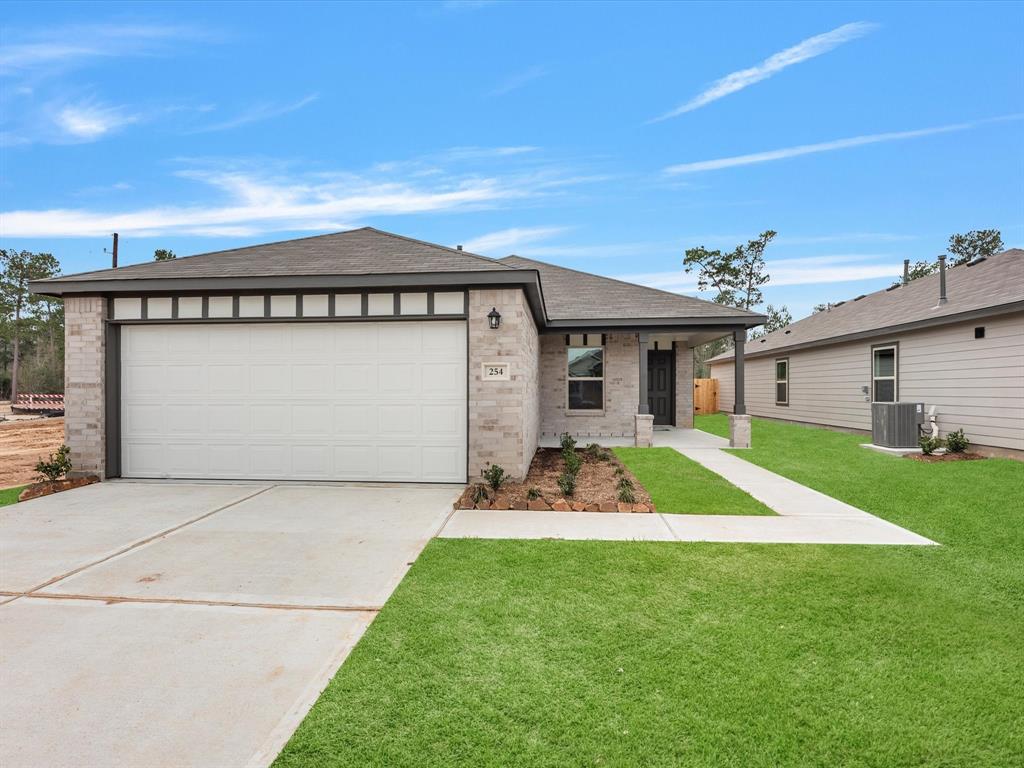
(10, 495)
(679, 484)
(550, 653)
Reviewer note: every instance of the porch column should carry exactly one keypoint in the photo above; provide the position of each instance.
(739, 422)
(644, 406)
(740, 406)
(644, 432)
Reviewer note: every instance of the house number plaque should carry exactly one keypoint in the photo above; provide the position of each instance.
(496, 372)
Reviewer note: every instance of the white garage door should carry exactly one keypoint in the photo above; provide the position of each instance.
(295, 401)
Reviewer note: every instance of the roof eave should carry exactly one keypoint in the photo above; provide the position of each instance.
(644, 323)
(930, 322)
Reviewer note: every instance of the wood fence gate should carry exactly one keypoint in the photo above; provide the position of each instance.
(705, 395)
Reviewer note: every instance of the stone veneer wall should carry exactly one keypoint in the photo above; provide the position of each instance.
(684, 385)
(504, 417)
(84, 405)
(621, 389)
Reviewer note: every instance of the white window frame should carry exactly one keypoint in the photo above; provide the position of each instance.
(781, 381)
(585, 411)
(895, 378)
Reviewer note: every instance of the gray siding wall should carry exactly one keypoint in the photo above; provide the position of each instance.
(976, 384)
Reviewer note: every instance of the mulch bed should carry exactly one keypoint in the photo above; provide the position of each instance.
(596, 486)
(936, 457)
(56, 486)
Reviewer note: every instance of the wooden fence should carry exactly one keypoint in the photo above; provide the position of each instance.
(705, 395)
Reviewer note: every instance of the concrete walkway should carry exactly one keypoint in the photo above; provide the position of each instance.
(805, 516)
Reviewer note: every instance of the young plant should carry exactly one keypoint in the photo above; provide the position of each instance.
(494, 475)
(567, 483)
(619, 471)
(594, 451)
(626, 495)
(625, 484)
(567, 442)
(929, 445)
(533, 494)
(56, 467)
(572, 462)
(479, 493)
(957, 442)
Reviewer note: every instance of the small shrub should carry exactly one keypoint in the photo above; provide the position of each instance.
(494, 475)
(567, 483)
(56, 467)
(619, 471)
(626, 495)
(479, 493)
(957, 442)
(533, 494)
(594, 451)
(625, 484)
(567, 442)
(929, 445)
(572, 462)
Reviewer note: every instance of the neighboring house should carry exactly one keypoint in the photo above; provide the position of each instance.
(962, 353)
(365, 356)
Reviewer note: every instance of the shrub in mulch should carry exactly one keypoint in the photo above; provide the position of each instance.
(598, 486)
(47, 487)
(932, 458)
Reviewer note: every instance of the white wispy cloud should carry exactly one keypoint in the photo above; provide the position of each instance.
(31, 50)
(802, 51)
(248, 199)
(811, 270)
(519, 79)
(826, 146)
(258, 113)
(506, 241)
(89, 121)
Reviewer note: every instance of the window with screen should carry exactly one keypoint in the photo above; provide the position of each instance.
(782, 381)
(884, 374)
(585, 369)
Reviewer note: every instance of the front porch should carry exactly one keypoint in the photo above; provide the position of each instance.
(630, 387)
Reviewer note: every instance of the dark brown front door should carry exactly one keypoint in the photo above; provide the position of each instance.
(661, 385)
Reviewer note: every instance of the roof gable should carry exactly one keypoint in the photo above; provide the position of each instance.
(365, 251)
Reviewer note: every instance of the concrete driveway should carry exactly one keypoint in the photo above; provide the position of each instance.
(166, 624)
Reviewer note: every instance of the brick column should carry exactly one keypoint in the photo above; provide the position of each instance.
(684, 385)
(504, 416)
(84, 403)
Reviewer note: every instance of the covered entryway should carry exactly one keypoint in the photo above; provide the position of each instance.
(365, 401)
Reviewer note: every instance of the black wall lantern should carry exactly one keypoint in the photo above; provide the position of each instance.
(494, 318)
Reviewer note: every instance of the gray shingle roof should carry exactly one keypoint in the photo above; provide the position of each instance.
(573, 295)
(981, 285)
(365, 251)
(360, 253)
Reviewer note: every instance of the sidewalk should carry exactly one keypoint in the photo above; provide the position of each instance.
(805, 516)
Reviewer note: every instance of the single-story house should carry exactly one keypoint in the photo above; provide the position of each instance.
(366, 356)
(953, 340)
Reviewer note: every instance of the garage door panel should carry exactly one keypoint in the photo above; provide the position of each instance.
(333, 401)
(227, 419)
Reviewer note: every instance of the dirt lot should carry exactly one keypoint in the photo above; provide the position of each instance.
(22, 443)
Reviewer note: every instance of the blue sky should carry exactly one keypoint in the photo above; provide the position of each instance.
(607, 138)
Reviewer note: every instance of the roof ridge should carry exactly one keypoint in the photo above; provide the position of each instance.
(436, 245)
(633, 285)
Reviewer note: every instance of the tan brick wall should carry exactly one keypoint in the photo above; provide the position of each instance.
(621, 389)
(684, 386)
(504, 418)
(84, 422)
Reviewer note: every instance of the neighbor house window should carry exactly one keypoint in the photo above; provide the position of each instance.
(585, 369)
(782, 381)
(884, 386)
